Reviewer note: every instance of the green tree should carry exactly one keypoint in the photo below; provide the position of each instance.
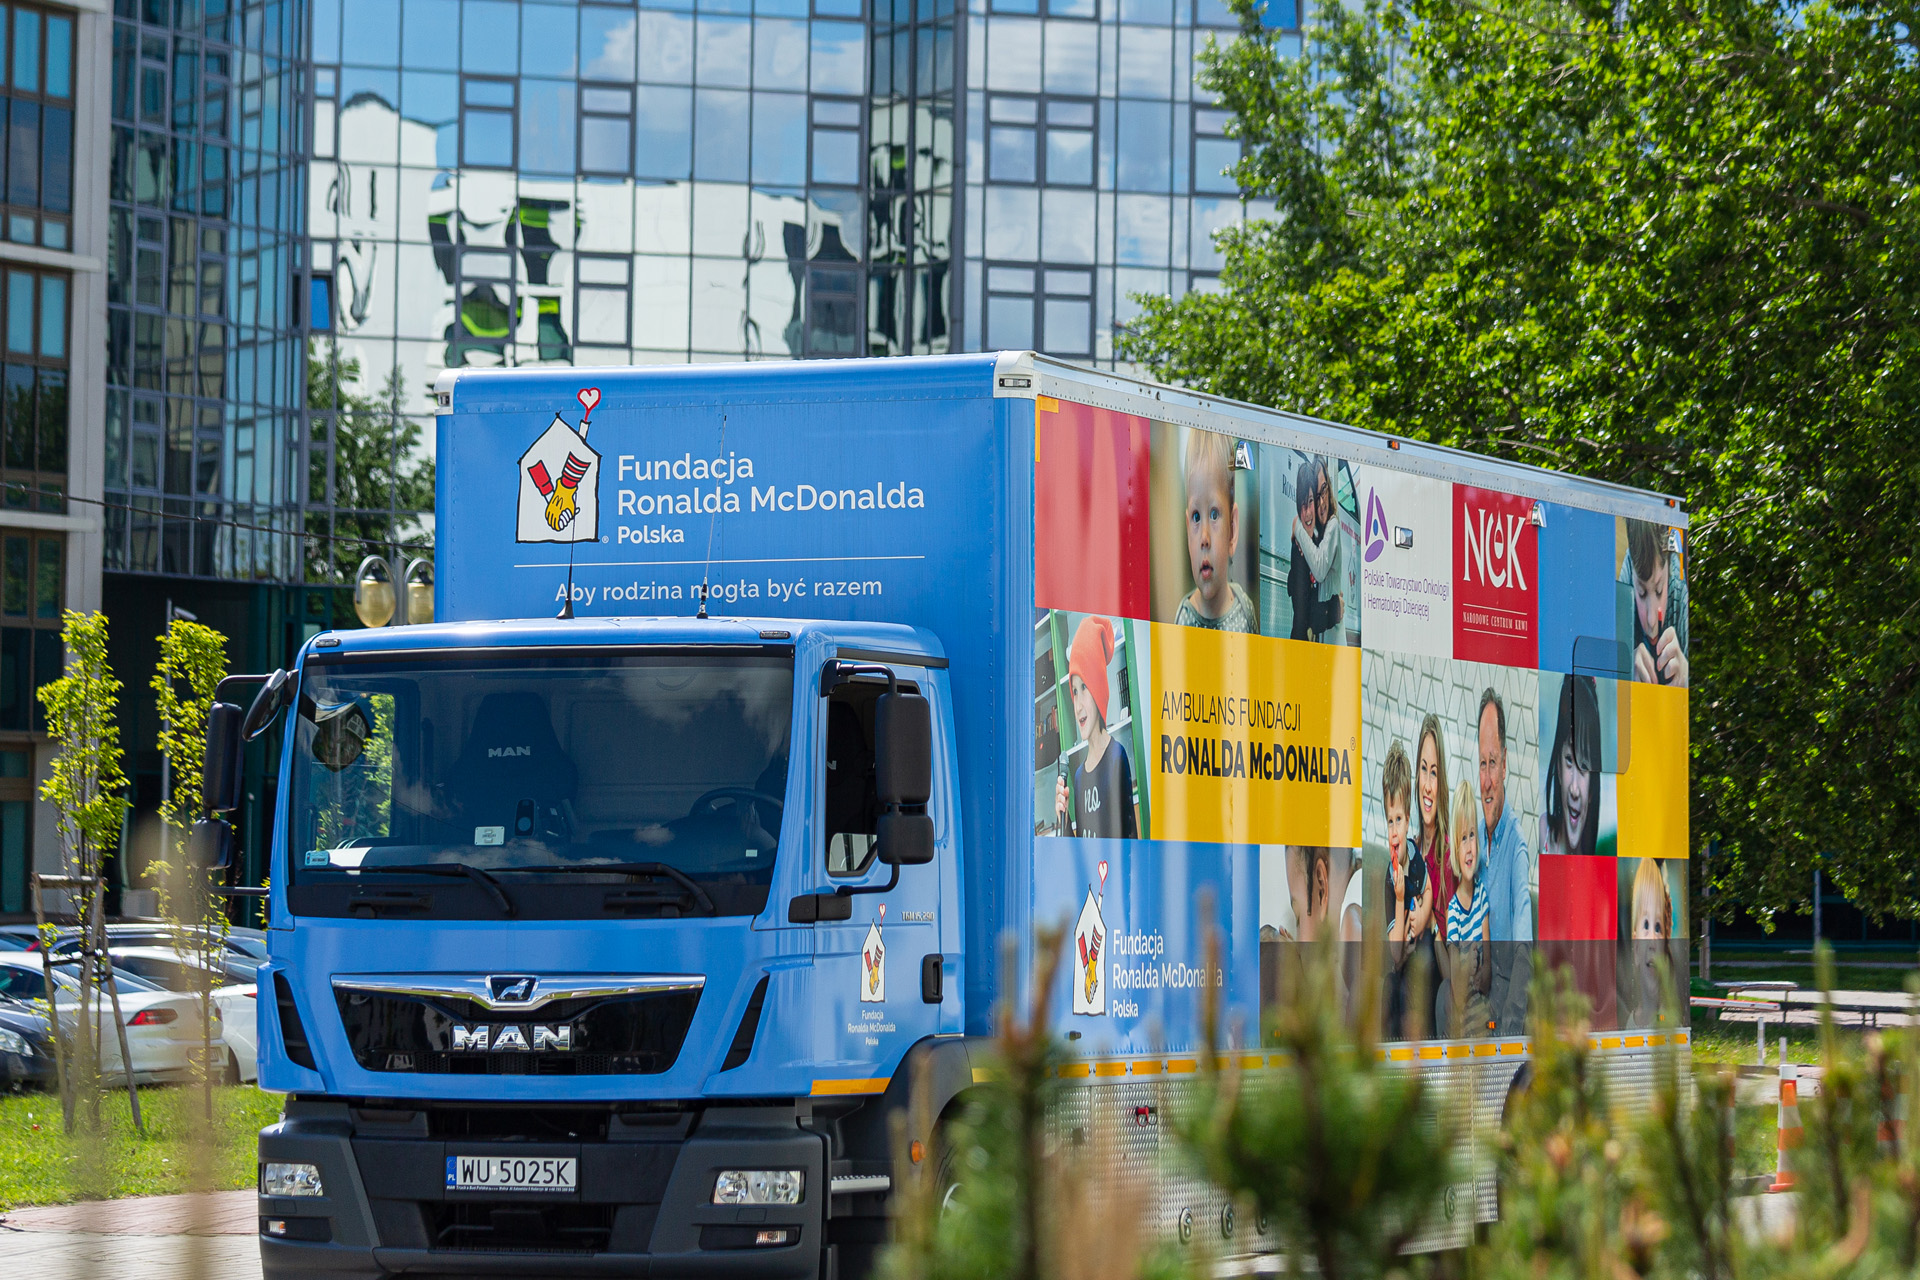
(192, 655)
(1664, 244)
(382, 486)
(86, 787)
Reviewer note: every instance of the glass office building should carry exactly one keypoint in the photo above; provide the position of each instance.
(308, 209)
(318, 205)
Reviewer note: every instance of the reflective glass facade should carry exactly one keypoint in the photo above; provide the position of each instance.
(318, 205)
(204, 247)
(1094, 166)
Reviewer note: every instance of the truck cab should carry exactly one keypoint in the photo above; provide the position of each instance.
(605, 938)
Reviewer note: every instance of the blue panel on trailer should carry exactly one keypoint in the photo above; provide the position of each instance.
(1577, 591)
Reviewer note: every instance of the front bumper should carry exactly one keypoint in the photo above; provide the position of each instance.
(643, 1208)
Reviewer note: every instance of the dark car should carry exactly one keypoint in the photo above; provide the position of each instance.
(26, 1048)
(16, 937)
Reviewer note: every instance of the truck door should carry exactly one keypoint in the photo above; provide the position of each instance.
(869, 968)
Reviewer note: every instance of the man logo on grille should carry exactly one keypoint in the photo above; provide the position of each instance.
(514, 989)
(560, 482)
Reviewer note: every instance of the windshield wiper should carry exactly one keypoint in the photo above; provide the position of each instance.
(680, 877)
(471, 872)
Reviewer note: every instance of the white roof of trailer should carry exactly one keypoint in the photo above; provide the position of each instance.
(1023, 374)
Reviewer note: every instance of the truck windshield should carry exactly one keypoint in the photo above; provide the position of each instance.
(537, 768)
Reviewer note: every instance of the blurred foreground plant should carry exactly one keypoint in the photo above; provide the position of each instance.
(1005, 1194)
(1344, 1158)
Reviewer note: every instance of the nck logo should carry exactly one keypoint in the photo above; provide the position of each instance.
(1495, 556)
(1493, 548)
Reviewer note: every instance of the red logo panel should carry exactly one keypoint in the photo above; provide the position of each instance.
(1496, 616)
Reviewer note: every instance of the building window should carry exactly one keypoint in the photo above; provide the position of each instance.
(836, 142)
(833, 311)
(36, 100)
(606, 130)
(32, 593)
(1214, 153)
(604, 301)
(16, 803)
(487, 124)
(1047, 141)
(1049, 309)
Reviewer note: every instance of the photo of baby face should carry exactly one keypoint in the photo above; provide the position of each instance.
(1652, 960)
(1213, 521)
(1206, 521)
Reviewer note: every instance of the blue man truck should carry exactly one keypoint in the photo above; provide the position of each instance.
(613, 915)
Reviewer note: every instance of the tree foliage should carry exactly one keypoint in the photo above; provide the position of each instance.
(1664, 244)
(193, 661)
(86, 787)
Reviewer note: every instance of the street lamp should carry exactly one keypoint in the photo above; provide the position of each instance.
(384, 594)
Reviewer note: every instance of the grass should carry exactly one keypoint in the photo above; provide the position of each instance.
(1859, 969)
(41, 1165)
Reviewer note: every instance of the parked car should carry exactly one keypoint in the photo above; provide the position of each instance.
(234, 995)
(239, 941)
(16, 937)
(163, 1028)
(26, 1047)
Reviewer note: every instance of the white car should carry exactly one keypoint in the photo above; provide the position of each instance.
(234, 995)
(163, 1029)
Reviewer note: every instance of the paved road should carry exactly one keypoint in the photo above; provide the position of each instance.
(149, 1237)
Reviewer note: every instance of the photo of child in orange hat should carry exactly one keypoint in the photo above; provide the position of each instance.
(1099, 801)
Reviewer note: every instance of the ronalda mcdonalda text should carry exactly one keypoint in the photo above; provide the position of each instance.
(691, 486)
(1239, 750)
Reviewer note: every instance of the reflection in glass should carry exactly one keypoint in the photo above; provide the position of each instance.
(779, 54)
(547, 126)
(779, 139)
(548, 40)
(720, 123)
(427, 35)
(1068, 329)
(373, 28)
(725, 51)
(839, 57)
(1009, 323)
(1145, 154)
(663, 138)
(1070, 157)
(490, 36)
(1010, 153)
(666, 47)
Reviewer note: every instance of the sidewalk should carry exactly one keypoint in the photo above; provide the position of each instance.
(152, 1237)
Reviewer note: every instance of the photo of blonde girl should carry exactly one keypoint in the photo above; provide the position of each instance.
(1466, 954)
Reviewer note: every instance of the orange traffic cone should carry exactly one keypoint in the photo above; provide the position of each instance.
(1789, 1125)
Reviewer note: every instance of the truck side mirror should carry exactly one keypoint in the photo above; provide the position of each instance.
(903, 778)
(275, 693)
(905, 839)
(220, 771)
(902, 749)
(210, 843)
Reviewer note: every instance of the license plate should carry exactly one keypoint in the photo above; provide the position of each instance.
(512, 1173)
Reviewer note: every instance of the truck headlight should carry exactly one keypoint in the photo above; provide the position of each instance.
(758, 1186)
(15, 1043)
(290, 1180)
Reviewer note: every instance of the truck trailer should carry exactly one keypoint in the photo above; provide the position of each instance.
(612, 915)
